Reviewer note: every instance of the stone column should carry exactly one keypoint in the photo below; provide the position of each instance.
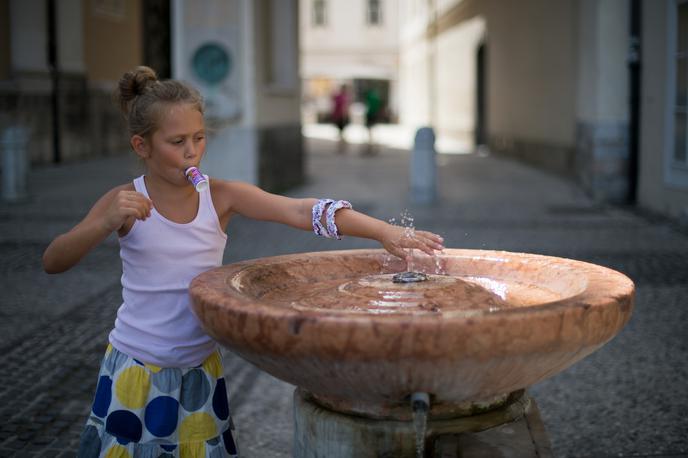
(212, 48)
(602, 146)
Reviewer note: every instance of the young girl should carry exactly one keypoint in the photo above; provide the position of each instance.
(161, 390)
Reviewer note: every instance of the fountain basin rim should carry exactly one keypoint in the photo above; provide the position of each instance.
(595, 292)
(345, 355)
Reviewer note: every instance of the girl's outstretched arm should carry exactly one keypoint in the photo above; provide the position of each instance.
(115, 211)
(394, 239)
(252, 202)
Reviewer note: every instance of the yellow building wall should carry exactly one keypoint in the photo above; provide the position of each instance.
(113, 38)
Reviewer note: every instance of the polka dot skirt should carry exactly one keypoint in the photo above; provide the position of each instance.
(142, 410)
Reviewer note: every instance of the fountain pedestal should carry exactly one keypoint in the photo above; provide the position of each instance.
(512, 429)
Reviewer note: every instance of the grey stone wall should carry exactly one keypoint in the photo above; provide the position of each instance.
(281, 162)
(551, 157)
(602, 160)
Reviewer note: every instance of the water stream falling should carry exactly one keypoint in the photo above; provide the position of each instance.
(407, 222)
(420, 403)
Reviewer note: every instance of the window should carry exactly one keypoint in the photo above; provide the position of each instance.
(374, 12)
(282, 50)
(681, 103)
(676, 157)
(319, 13)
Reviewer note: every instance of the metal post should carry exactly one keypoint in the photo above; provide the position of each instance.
(13, 144)
(55, 77)
(423, 171)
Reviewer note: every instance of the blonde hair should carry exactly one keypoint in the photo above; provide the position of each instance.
(140, 95)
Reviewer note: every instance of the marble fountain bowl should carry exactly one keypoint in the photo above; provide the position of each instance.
(334, 324)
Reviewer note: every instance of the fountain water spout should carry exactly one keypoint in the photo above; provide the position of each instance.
(420, 404)
(409, 277)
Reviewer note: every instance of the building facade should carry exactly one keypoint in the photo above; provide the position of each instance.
(663, 162)
(348, 42)
(60, 62)
(591, 89)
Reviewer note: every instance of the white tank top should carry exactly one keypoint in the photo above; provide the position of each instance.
(155, 323)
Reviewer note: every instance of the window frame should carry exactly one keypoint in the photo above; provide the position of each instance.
(675, 171)
(369, 13)
(314, 13)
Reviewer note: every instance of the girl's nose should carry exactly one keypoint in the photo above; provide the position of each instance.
(191, 150)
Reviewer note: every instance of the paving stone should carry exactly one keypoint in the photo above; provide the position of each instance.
(626, 400)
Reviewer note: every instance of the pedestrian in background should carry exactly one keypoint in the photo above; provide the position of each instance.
(340, 113)
(373, 104)
(161, 389)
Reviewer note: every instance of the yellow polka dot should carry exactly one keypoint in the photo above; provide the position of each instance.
(132, 387)
(192, 450)
(213, 365)
(153, 368)
(197, 427)
(117, 451)
(108, 350)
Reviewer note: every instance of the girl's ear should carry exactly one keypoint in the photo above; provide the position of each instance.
(140, 146)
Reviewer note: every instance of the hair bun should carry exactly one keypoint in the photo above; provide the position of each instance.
(134, 83)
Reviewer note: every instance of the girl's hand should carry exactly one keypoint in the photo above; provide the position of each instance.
(126, 204)
(397, 240)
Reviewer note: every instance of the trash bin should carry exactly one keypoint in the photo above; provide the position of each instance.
(423, 171)
(13, 146)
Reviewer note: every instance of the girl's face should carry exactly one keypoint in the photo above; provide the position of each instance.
(177, 144)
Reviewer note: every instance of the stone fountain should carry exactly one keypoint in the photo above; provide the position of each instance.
(384, 368)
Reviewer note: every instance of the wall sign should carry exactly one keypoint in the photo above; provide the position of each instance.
(211, 63)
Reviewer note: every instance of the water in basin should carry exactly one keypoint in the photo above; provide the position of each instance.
(378, 294)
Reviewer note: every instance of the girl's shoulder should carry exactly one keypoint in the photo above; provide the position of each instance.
(232, 189)
(226, 194)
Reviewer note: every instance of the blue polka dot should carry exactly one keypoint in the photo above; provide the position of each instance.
(168, 379)
(228, 439)
(89, 447)
(101, 403)
(161, 416)
(195, 390)
(216, 452)
(220, 405)
(123, 441)
(114, 361)
(169, 448)
(125, 425)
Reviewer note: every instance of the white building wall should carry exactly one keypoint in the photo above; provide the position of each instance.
(437, 75)
(456, 80)
(657, 191)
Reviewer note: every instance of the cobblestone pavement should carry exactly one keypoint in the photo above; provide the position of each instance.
(628, 399)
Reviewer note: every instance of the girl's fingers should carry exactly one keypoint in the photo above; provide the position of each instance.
(137, 211)
(432, 237)
(432, 240)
